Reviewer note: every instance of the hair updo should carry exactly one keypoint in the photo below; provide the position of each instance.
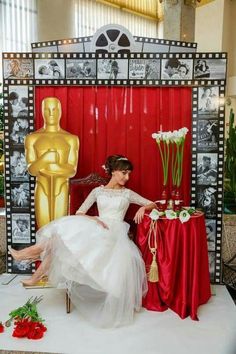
(117, 162)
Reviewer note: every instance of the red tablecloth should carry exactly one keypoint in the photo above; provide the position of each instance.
(182, 258)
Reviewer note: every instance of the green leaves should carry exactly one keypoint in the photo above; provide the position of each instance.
(28, 310)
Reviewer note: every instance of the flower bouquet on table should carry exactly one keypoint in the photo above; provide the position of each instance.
(183, 215)
(27, 321)
(171, 143)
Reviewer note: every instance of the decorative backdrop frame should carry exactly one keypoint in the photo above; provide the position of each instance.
(32, 80)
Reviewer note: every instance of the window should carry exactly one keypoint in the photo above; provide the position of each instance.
(91, 15)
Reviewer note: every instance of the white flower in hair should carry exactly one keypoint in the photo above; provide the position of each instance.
(122, 158)
(104, 167)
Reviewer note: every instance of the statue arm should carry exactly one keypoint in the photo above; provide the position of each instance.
(35, 163)
(73, 157)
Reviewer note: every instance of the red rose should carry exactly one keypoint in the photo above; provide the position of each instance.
(43, 328)
(21, 329)
(1, 327)
(35, 332)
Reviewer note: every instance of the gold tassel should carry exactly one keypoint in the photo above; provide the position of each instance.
(153, 276)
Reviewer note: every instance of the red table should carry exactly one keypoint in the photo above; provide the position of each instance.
(182, 259)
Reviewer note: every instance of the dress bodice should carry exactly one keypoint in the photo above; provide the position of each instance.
(112, 203)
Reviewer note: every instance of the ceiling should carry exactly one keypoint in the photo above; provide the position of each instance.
(151, 9)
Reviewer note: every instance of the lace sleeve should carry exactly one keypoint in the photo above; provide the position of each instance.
(89, 201)
(135, 198)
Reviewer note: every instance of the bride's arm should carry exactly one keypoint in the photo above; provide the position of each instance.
(89, 201)
(145, 205)
(141, 211)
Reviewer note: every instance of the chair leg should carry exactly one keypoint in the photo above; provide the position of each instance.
(68, 302)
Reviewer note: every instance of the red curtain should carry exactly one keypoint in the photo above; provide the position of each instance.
(120, 120)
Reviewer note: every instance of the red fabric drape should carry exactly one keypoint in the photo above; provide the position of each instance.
(121, 120)
(182, 258)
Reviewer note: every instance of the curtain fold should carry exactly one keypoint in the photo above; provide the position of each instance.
(120, 120)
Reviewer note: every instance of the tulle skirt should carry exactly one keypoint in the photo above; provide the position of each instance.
(102, 269)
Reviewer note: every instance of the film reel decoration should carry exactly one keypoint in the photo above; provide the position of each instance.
(134, 69)
(112, 39)
(151, 69)
(19, 185)
(207, 193)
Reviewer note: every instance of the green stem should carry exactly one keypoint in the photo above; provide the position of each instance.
(162, 160)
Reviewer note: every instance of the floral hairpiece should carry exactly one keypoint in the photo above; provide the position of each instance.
(122, 158)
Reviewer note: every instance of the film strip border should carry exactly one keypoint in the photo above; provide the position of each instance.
(83, 44)
(147, 69)
(215, 261)
(16, 237)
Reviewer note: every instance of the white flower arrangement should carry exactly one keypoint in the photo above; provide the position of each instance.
(183, 215)
(176, 139)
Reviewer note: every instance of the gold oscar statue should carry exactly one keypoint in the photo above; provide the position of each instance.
(52, 157)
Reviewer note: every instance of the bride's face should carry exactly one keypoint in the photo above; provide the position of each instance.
(121, 176)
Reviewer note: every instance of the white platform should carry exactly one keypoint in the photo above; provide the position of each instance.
(151, 332)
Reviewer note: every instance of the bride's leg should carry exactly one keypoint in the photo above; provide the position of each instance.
(41, 271)
(31, 252)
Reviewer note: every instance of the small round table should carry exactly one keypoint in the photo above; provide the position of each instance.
(182, 260)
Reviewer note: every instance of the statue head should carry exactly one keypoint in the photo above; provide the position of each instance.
(51, 110)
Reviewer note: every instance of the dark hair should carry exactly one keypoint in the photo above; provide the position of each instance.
(13, 96)
(41, 69)
(172, 62)
(25, 101)
(183, 65)
(208, 158)
(117, 162)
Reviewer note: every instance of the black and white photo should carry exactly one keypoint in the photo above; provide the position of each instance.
(211, 234)
(212, 257)
(19, 128)
(214, 69)
(207, 200)
(176, 69)
(208, 132)
(18, 101)
(21, 266)
(18, 166)
(81, 69)
(208, 101)
(18, 68)
(20, 228)
(146, 69)
(49, 68)
(207, 168)
(20, 195)
(112, 69)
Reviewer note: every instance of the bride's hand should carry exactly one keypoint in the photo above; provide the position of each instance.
(100, 222)
(139, 215)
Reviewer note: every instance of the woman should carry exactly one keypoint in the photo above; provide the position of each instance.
(100, 265)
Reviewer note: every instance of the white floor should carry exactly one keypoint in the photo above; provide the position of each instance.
(151, 332)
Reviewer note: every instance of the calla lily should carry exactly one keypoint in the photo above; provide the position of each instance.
(170, 214)
(184, 216)
(154, 215)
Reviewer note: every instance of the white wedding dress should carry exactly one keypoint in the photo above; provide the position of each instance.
(102, 268)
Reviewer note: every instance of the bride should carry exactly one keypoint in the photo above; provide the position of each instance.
(93, 256)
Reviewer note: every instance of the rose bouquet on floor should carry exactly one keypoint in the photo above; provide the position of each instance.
(27, 321)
